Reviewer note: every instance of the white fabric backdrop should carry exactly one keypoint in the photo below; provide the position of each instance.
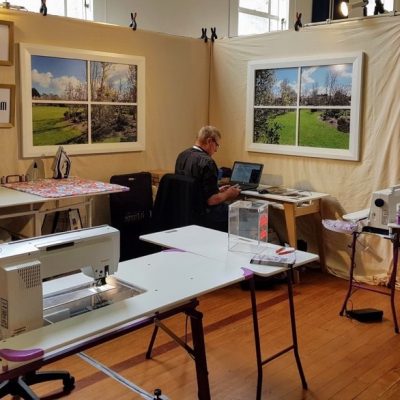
(349, 183)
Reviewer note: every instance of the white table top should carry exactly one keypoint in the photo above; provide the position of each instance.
(11, 197)
(357, 215)
(303, 196)
(214, 245)
(168, 278)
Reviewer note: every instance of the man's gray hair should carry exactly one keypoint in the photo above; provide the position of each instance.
(208, 132)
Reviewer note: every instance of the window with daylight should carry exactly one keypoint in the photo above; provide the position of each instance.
(260, 16)
(82, 9)
(305, 107)
(88, 102)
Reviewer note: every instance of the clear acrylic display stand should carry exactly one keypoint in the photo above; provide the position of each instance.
(248, 226)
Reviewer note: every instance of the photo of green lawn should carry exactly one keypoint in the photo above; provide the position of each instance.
(59, 124)
(316, 128)
(314, 131)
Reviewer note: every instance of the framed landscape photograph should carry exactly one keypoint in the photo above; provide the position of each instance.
(308, 107)
(6, 42)
(7, 106)
(88, 102)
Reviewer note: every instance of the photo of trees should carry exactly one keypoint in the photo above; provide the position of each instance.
(79, 101)
(303, 106)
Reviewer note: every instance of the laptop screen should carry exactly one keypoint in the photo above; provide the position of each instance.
(244, 172)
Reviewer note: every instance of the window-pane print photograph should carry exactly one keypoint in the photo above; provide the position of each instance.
(326, 85)
(112, 124)
(113, 82)
(58, 124)
(276, 87)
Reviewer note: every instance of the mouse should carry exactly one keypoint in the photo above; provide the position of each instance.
(262, 191)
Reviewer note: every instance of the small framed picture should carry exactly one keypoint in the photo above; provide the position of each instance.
(6, 42)
(7, 106)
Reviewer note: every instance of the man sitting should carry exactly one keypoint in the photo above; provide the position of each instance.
(197, 162)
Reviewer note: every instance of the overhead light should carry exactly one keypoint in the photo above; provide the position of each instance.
(346, 7)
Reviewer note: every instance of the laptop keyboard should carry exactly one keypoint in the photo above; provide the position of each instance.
(243, 186)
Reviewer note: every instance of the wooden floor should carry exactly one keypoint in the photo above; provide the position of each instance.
(342, 359)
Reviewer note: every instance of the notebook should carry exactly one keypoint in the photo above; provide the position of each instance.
(246, 175)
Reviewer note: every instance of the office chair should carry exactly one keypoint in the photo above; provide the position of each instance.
(19, 386)
(131, 213)
(179, 202)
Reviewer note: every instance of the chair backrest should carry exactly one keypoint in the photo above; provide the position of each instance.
(130, 213)
(132, 208)
(179, 202)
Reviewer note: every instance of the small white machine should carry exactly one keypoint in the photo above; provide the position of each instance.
(24, 264)
(383, 208)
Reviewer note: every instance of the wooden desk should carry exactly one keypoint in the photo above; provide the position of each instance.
(19, 203)
(293, 207)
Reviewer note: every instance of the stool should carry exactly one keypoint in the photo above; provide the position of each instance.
(19, 386)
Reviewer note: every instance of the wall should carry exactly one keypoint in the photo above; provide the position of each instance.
(176, 17)
(177, 71)
(184, 17)
(350, 184)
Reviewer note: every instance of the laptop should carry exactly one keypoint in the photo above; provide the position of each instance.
(246, 175)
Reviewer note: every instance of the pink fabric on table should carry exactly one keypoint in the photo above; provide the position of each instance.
(55, 188)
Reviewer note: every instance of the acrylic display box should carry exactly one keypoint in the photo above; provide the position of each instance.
(248, 226)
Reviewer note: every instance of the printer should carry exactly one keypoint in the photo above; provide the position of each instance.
(25, 264)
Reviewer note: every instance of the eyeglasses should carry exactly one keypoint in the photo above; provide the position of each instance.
(217, 144)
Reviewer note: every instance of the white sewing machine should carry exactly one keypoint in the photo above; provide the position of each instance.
(383, 208)
(24, 264)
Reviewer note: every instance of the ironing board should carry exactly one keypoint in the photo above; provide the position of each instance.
(351, 225)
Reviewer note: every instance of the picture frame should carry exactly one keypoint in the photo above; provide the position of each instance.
(305, 107)
(6, 43)
(7, 106)
(89, 102)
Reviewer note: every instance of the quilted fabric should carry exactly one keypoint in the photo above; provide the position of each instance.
(340, 226)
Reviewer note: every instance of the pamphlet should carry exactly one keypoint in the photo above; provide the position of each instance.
(277, 257)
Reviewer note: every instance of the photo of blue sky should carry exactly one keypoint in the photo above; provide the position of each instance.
(54, 77)
(326, 78)
(113, 82)
(285, 74)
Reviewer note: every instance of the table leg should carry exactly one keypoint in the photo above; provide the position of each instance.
(293, 346)
(89, 212)
(37, 224)
(199, 352)
(290, 219)
(351, 274)
(256, 337)
(293, 326)
(396, 244)
(320, 240)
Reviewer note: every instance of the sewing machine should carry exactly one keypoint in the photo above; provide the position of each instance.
(26, 264)
(383, 209)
